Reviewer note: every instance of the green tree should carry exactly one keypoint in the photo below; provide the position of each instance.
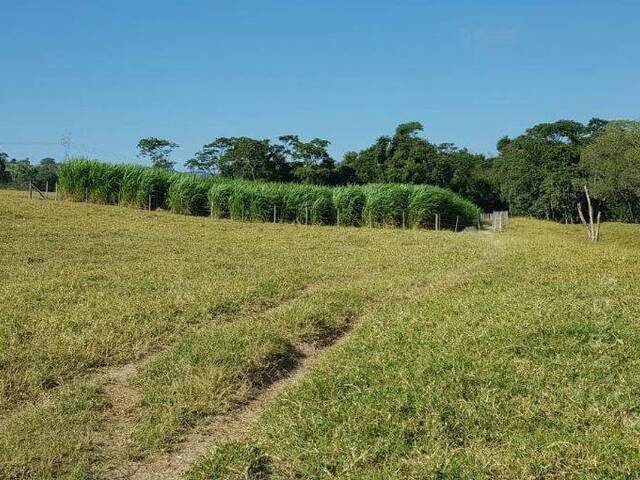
(411, 159)
(5, 177)
(612, 166)
(539, 172)
(157, 151)
(369, 164)
(242, 157)
(407, 158)
(310, 161)
(22, 172)
(474, 177)
(46, 173)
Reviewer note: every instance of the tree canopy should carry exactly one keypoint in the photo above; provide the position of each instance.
(539, 172)
(407, 158)
(18, 173)
(4, 174)
(612, 164)
(157, 151)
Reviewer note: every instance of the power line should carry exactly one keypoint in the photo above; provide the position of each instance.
(29, 143)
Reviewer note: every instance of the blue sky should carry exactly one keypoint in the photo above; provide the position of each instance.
(107, 73)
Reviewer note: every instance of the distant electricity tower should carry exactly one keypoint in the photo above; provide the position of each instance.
(66, 143)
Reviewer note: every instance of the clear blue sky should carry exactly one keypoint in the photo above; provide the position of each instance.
(110, 72)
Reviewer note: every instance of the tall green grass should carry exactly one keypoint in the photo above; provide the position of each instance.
(189, 195)
(349, 203)
(83, 179)
(88, 180)
(386, 205)
(427, 201)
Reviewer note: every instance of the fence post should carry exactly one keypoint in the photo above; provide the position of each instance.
(149, 203)
(118, 199)
(457, 219)
(86, 195)
(274, 214)
(403, 222)
(30, 190)
(55, 188)
(338, 217)
(46, 188)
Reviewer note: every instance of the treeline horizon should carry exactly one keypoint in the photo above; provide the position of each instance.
(540, 173)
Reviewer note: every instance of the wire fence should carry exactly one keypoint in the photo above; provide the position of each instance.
(497, 221)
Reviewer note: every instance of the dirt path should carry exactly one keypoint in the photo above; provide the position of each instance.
(235, 424)
(123, 399)
(228, 427)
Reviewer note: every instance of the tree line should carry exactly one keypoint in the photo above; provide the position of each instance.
(540, 173)
(19, 173)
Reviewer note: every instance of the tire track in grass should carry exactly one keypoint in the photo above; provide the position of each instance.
(124, 397)
(235, 424)
(231, 426)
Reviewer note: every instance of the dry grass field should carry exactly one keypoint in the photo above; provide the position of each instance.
(153, 345)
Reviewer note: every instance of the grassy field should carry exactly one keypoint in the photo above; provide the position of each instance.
(439, 355)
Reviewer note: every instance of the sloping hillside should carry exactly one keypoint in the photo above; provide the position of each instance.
(132, 342)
